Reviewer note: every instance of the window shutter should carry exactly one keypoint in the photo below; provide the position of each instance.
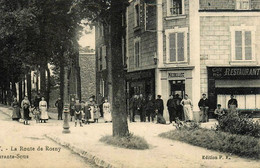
(248, 45)
(238, 44)
(180, 45)
(104, 54)
(137, 54)
(172, 39)
(100, 57)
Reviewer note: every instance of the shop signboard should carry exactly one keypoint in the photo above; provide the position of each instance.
(234, 72)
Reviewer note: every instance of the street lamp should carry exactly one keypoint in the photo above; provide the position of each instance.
(66, 126)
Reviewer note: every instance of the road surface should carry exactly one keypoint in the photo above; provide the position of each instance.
(23, 146)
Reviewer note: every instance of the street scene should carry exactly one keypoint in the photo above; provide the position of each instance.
(129, 83)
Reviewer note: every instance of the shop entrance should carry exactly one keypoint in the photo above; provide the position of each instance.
(177, 87)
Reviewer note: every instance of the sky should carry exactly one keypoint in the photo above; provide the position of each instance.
(88, 39)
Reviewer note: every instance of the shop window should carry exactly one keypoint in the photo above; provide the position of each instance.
(242, 4)
(137, 13)
(137, 50)
(242, 44)
(176, 43)
(245, 102)
(175, 7)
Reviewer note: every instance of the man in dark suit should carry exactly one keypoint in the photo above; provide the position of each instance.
(204, 107)
(59, 105)
(171, 104)
(159, 107)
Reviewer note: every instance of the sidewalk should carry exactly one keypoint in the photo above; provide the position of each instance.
(162, 152)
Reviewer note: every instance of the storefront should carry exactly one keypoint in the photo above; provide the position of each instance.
(243, 82)
(177, 81)
(140, 82)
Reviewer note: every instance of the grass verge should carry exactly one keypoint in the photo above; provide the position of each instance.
(241, 145)
(130, 141)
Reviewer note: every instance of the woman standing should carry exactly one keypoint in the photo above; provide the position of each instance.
(25, 106)
(107, 111)
(187, 108)
(87, 112)
(16, 110)
(43, 110)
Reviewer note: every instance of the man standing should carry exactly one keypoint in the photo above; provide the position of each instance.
(232, 103)
(37, 101)
(171, 104)
(72, 108)
(204, 107)
(159, 107)
(59, 105)
(141, 108)
(179, 107)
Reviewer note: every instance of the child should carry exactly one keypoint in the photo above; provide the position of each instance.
(96, 113)
(78, 115)
(82, 112)
(219, 111)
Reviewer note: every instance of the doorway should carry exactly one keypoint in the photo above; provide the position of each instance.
(177, 87)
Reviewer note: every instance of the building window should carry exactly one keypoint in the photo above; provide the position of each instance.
(176, 45)
(175, 7)
(242, 4)
(137, 51)
(242, 43)
(137, 13)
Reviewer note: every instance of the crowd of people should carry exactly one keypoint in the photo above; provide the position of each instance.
(178, 108)
(39, 109)
(89, 112)
(86, 112)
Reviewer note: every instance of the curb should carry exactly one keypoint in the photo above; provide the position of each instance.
(91, 158)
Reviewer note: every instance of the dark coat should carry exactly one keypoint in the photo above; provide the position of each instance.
(159, 105)
(203, 103)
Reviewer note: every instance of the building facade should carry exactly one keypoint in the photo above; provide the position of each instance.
(195, 47)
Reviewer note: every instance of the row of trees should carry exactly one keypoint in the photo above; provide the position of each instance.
(34, 33)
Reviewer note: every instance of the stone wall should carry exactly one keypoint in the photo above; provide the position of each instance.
(224, 4)
(87, 63)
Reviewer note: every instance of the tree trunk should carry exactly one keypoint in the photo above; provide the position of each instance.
(14, 89)
(43, 79)
(37, 81)
(24, 87)
(62, 75)
(20, 92)
(29, 86)
(66, 82)
(119, 114)
(48, 86)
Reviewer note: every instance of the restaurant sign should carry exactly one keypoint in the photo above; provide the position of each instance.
(234, 72)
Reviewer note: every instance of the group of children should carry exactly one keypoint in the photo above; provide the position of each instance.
(87, 112)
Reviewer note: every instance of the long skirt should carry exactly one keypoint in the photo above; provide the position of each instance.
(187, 112)
(26, 113)
(16, 113)
(44, 113)
(91, 114)
(107, 115)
